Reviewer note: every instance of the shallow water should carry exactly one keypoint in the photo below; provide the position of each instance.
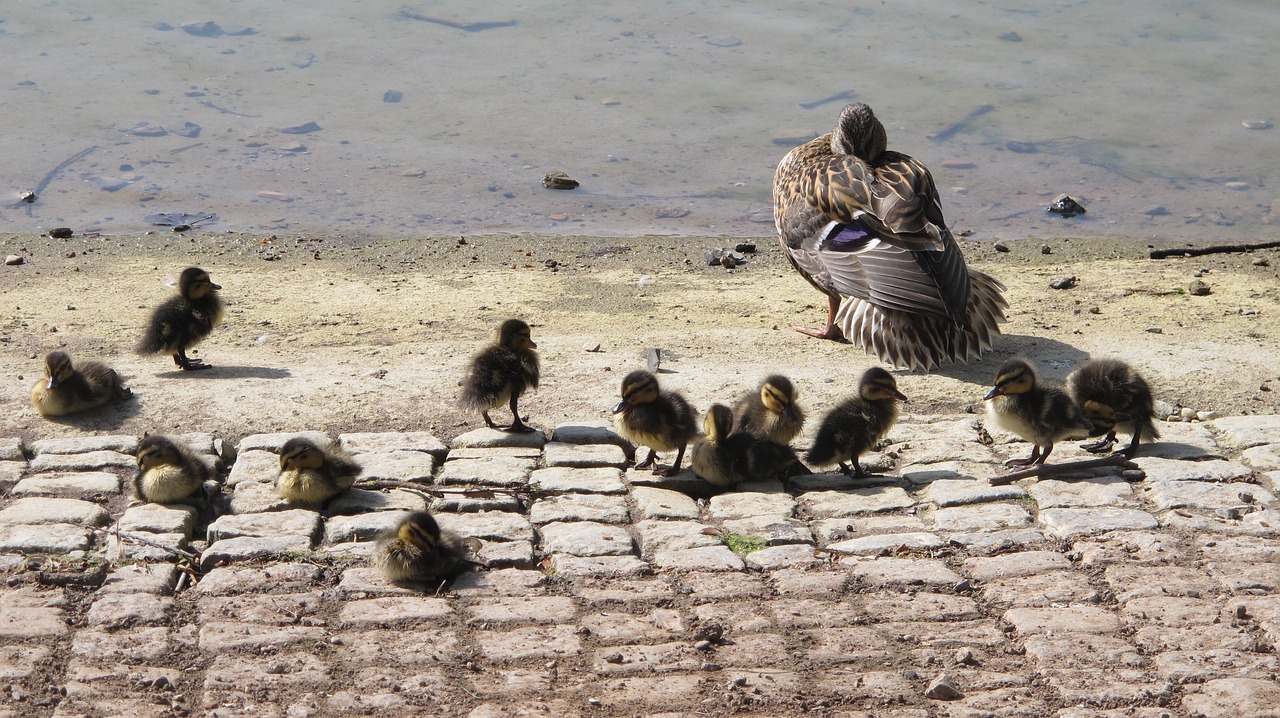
(671, 115)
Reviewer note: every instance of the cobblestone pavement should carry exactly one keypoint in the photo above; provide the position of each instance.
(929, 592)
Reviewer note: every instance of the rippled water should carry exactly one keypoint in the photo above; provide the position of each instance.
(671, 115)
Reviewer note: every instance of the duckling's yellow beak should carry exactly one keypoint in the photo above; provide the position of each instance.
(995, 391)
(620, 407)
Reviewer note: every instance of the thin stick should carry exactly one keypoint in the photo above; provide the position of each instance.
(1217, 249)
(1055, 469)
(438, 493)
(147, 542)
(39, 189)
(947, 132)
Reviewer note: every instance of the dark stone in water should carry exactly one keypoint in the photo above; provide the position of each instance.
(1011, 36)
(1065, 206)
(187, 129)
(207, 28)
(162, 27)
(1023, 147)
(745, 247)
(301, 129)
(392, 96)
(60, 232)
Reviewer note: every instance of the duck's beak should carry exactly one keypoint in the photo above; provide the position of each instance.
(900, 396)
(620, 407)
(995, 391)
(52, 384)
(532, 345)
(214, 286)
(790, 412)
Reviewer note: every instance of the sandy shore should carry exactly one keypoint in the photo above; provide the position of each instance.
(348, 334)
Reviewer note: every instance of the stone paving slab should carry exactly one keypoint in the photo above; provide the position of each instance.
(389, 441)
(84, 461)
(579, 481)
(584, 456)
(486, 438)
(123, 444)
(272, 442)
(73, 484)
(587, 507)
(12, 449)
(830, 504)
(54, 511)
(399, 465)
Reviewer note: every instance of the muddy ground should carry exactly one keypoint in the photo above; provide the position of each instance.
(350, 334)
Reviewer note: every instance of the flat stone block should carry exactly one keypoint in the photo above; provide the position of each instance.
(502, 582)
(657, 536)
(612, 628)
(1199, 495)
(293, 522)
(87, 461)
(245, 548)
(272, 675)
(1243, 432)
(599, 566)
(1040, 590)
(276, 578)
(1170, 470)
(773, 558)
(19, 622)
(957, 492)
(158, 519)
(709, 558)
(840, 529)
(359, 501)
(484, 499)
(1011, 565)
(579, 481)
(491, 526)
(1263, 458)
(504, 554)
(902, 572)
(274, 441)
(360, 582)
(886, 543)
(1082, 650)
(77, 484)
(496, 471)
(360, 527)
(12, 449)
(530, 455)
(836, 481)
(992, 540)
(123, 444)
(741, 505)
(139, 645)
(1252, 549)
(586, 538)
(555, 641)
(11, 472)
(580, 507)
(118, 610)
(775, 530)
(584, 456)
(51, 510)
(415, 466)
(377, 612)
(645, 659)
(1068, 619)
(685, 482)
(1183, 667)
(1070, 523)
(831, 504)
(589, 432)
(1235, 697)
(158, 578)
(44, 538)
(653, 503)
(522, 609)
(388, 441)
(256, 466)
(972, 468)
(126, 547)
(222, 636)
(489, 438)
(254, 497)
(981, 517)
(1100, 491)
(1176, 611)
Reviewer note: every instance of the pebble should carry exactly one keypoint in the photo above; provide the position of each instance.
(1197, 288)
(392, 96)
(610, 102)
(1046, 249)
(1261, 262)
(302, 129)
(13, 260)
(958, 164)
(1236, 185)
(1063, 283)
(1256, 124)
(414, 172)
(1186, 413)
(943, 689)
(1000, 246)
(278, 196)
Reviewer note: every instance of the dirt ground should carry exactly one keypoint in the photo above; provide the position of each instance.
(349, 334)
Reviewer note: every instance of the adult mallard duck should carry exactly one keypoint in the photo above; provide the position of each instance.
(1042, 414)
(864, 225)
(1113, 396)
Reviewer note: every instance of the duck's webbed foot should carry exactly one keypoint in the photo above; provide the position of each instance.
(829, 330)
(648, 462)
(188, 364)
(1101, 446)
(489, 422)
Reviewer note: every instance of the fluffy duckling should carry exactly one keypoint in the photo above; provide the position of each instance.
(726, 458)
(708, 457)
(864, 225)
(418, 550)
(1040, 414)
(312, 475)
(856, 425)
(168, 472)
(502, 373)
(771, 413)
(660, 420)
(68, 389)
(1113, 397)
(183, 321)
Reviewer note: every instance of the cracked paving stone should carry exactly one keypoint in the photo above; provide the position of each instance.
(580, 507)
(293, 522)
(658, 536)
(958, 492)
(902, 572)
(832, 504)
(579, 481)
(586, 538)
(44, 538)
(772, 558)
(1070, 619)
(599, 566)
(158, 519)
(1072, 523)
(708, 558)
(412, 466)
(654, 503)
(522, 609)
(741, 505)
(498, 471)
(256, 466)
(1022, 563)
(1100, 491)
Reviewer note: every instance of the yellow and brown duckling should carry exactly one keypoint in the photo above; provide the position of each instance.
(724, 458)
(70, 389)
(310, 474)
(419, 550)
(709, 457)
(502, 373)
(1039, 413)
(864, 226)
(169, 472)
(660, 420)
(771, 412)
(857, 424)
(183, 321)
(1113, 397)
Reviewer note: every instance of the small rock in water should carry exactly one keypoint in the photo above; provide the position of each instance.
(1063, 283)
(207, 28)
(302, 129)
(1256, 125)
(559, 180)
(186, 129)
(1011, 36)
(1155, 211)
(1066, 206)
(61, 232)
(943, 689)
(1000, 246)
(1197, 288)
(392, 96)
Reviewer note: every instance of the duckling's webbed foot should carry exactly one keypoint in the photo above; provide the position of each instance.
(519, 427)
(675, 466)
(187, 364)
(1101, 446)
(1035, 458)
(487, 421)
(845, 468)
(648, 463)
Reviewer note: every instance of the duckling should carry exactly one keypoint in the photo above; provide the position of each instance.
(1113, 396)
(856, 425)
(708, 457)
(183, 321)
(502, 373)
(725, 458)
(312, 475)
(168, 472)
(67, 389)
(864, 226)
(660, 420)
(418, 550)
(771, 413)
(1038, 413)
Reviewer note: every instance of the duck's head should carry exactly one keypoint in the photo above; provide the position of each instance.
(779, 396)
(420, 529)
(718, 422)
(878, 385)
(300, 453)
(57, 369)
(1104, 417)
(859, 133)
(156, 451)
(196, 284)
(515, 334)
(1015, 377)
(639, 387)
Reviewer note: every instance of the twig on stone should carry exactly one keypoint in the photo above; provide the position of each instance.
(147, 542)
(1054, 469)
(1216, 249)
(433, 492)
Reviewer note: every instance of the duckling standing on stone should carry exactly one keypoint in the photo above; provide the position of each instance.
(771, 413)
(68, 389)
(169, 472)
(181, 322)
(1040, 414)
(660, 420)
(312, 475)
(856, 425)
(502, 373)
(1113, 397)
(418, 550)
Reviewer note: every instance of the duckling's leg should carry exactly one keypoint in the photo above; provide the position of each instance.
(489, 422)
(830, 331)
(653, 455)
(1101, 446)
(1132, 449)
(1035, 458)
(188, 364)
(516, 423)
(845, 468)
(675, 467)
